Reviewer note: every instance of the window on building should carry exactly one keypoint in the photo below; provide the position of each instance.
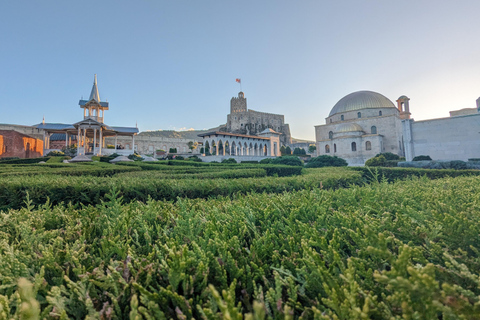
(359, 114)
(354, 146)
(331, 120)
(327, 148)
(334, 147)
(241, 125)
(330, 135)
(374, 130)
(368, 145)
(342, 117)
(379, 113)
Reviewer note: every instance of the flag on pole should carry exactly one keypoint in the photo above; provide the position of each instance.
(238, 80)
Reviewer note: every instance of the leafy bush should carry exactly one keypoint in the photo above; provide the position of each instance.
(135, 157)
(326, 161)
(458, 165)
(249, 161)
(421, 158)
(266, 160)
(178, 158)
(389, 156)
(377, 161)
(287, 160)
(55, 154)
(172, 150)
(230, 160)
(194, 158)
(299, 151)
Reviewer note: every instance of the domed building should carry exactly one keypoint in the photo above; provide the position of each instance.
(361, 125)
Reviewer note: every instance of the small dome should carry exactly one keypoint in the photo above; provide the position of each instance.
(348, 127)
(403, 98)
(361, 100)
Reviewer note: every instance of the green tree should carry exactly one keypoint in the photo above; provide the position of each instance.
(288, 150)
(282, 150)
(192, 145)
(326, 161)
(312, 148)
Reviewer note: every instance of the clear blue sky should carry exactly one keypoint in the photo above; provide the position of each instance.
(173, 64)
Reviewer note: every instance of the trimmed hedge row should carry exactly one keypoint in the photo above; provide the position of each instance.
(89, 190)
(392, 174)
(24, 161)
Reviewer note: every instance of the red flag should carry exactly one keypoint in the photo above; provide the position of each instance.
(238, 80)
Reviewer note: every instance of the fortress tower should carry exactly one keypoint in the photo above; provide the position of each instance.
(238, 104)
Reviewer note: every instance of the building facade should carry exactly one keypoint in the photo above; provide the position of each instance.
(19, 145)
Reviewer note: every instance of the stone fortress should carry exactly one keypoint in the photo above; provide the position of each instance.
(250, 122)
(365, 123)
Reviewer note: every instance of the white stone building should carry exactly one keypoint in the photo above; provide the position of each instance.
(365, 123)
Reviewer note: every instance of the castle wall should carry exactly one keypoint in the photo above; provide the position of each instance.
(147, 145)
(454, 138)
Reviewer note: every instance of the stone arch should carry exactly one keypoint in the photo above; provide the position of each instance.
(327, 148)
(354, 146)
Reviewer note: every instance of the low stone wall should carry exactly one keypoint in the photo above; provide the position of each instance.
(237, 158)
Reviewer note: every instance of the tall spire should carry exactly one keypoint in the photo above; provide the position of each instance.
(94, 94)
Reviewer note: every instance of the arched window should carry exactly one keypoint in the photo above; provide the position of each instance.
(331, 120)
(359, 114)
(368, 145)
(334, 147)
(327, 148)
(354, 146)
(374, 130)
(342, 117)
(379, 113)
(330, 135)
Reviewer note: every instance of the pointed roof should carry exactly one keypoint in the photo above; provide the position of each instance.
(94, 94)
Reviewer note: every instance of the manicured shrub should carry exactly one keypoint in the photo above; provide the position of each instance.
(266, 160)
(287, 160)
(421, 158)
(389, 156)
(55, 154)
(251, 162)
(458, 165)
(194, 158)
(377, 161)
(230, 160)
(326, 161)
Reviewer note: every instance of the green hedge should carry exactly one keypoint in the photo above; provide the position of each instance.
(24, 161)
(380, 251)
(92, 190)
(392, 174)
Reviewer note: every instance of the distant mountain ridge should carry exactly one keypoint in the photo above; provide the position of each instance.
(190, 134)
(193, 134)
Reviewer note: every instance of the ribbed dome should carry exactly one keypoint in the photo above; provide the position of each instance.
(361, 100)
(348, 127)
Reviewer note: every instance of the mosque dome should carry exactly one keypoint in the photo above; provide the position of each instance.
(361, 100)
(348, 127)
